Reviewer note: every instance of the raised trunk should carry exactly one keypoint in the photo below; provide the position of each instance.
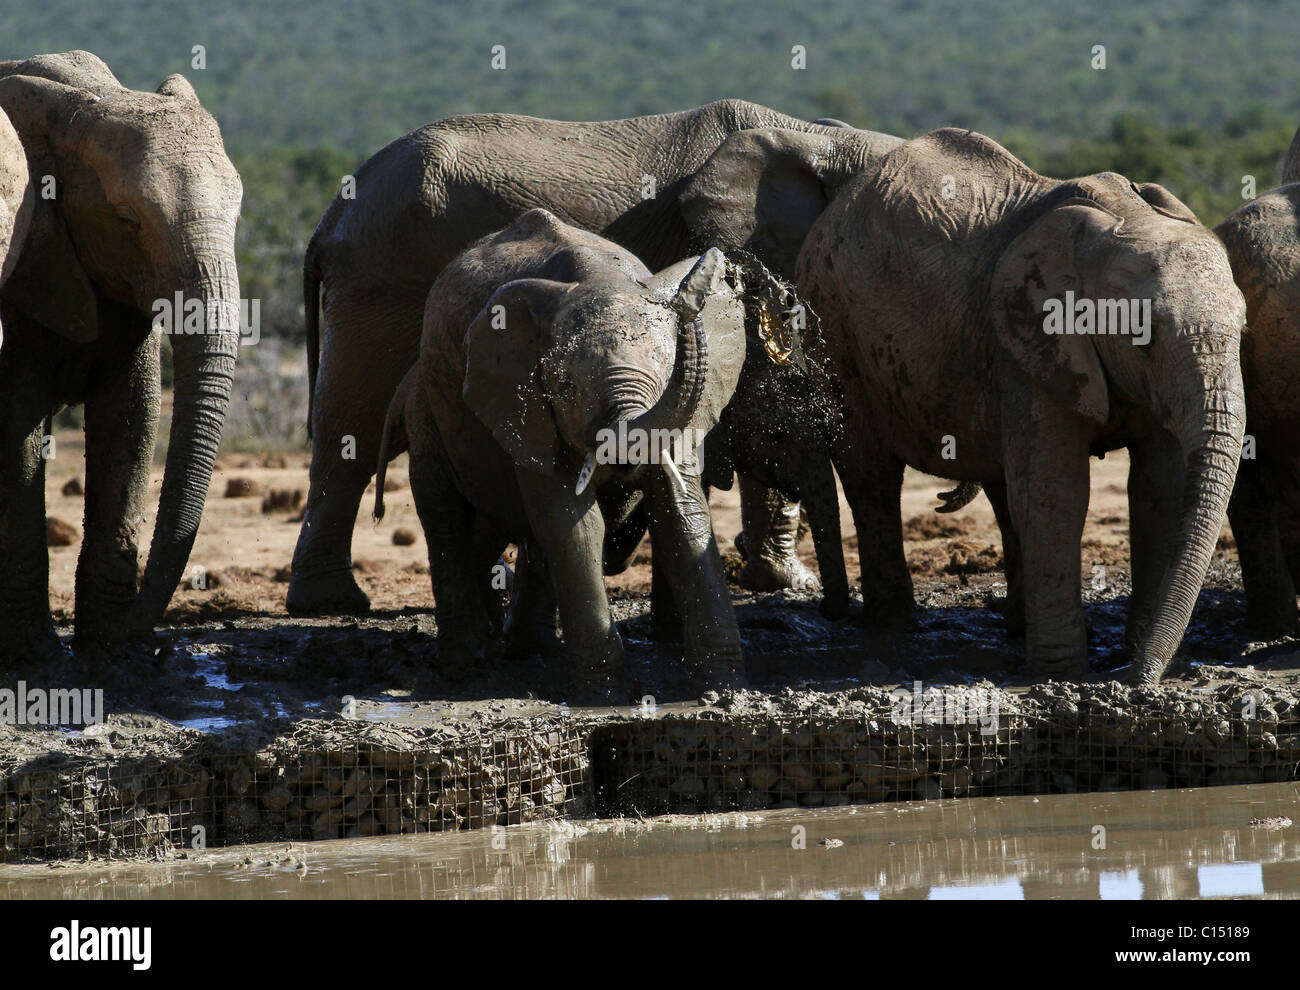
(681, 396)
(1211, 436)
(204, 372)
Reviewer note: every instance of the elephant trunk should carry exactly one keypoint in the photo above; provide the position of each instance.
(681, 396)
(1211, 434)
(204, 366)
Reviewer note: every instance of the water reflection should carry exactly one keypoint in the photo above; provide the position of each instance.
(1152, 845)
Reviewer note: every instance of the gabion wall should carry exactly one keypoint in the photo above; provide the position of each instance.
(321, 783)
(490, 780)
(109, 809)
(1055, 740)
(294, 789)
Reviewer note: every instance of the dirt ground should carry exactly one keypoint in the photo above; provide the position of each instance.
(235, 657)
(245, 544)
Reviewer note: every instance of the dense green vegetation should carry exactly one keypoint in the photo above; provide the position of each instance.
(1195, 93)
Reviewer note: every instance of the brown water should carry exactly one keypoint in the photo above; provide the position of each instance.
(1155, 844)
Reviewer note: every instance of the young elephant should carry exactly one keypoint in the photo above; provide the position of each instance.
(554, 367)
(960, 296)
(1263, 243)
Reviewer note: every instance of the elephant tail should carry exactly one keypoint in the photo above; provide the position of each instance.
(959, 497)
(311, 317)
(395, 438)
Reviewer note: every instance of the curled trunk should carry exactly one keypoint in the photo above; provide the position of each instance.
(681, 396)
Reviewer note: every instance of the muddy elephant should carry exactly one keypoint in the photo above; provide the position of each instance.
(560, 385)
(135, 211)
(961, 296)
(15, 202)
(1262, 239)
(417, 203)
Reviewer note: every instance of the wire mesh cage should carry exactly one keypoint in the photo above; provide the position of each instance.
(326, 779)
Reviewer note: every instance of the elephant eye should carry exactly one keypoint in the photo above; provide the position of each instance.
(128, 216)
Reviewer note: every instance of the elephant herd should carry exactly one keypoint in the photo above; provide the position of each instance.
(578, 329)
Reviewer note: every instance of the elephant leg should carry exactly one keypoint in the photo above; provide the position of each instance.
(1013, 611)
(1287, 519)
(771, 535)
(681, 532)
(873, 480)
(362, 362)
(456, 558)
(530, 627)
(1046, 465)
(121, 427)
(665, 616)
(1255, 515)
(26, 631)
(1155, 486)
(571, 532)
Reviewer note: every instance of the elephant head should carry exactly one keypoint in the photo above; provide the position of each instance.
(601, 372)
(1140, 254)
(136, 204)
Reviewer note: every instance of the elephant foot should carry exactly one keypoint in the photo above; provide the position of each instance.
(25, 645)
(1071, 669)
(834, 607)
(764, 572)
(459, 646)
(1270, 627)
(717, 672)
(595, 678)
(336, 593)
(1013, 618)
(888, 612)
(530, 639)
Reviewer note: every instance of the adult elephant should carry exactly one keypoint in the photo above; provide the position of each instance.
(15, 201)
(136, 207)
(417, 203)
(960, 295)
(1262, 239)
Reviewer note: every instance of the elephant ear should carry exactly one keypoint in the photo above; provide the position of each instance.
(70, 308)
(504, 347)
(41, 111)
(1165, 202)
(179, 87)
(1041, 264)
(761, 190)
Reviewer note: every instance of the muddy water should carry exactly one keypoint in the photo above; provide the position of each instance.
(1147, 844)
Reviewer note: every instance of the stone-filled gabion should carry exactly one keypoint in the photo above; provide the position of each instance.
(389, 788)
(336, 778)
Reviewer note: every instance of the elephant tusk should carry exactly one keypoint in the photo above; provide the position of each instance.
(667, 460)
(584, 476)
